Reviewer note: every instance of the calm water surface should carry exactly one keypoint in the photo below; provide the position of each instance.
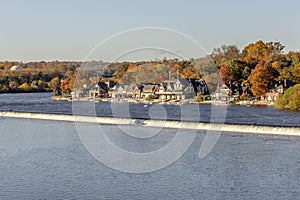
(46, 160)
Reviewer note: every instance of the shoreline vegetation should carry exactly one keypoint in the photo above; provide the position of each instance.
(259, 74)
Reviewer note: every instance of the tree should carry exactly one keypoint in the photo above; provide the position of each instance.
(190, 72)
(25, 87)
(225, 53)
(225, 74)
(67, 85)
(198, 98)
(290, 99)
(291, 73)
(260, 79)
(13, 85)
(54, 84)
(260, 51)
(238, 70)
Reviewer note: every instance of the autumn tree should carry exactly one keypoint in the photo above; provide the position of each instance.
(225, 74)
(260, 79)
(187, 69)
(225, 53)
(261, 51)
(25, 87)
(67, 85)
(190, 72)
(54, 84)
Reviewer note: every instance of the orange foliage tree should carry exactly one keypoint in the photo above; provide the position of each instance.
(67, 85)
(260, 79)
(225, 74)
(54, 84)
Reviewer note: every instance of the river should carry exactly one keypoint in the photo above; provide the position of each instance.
(42, 103)
(42, 159)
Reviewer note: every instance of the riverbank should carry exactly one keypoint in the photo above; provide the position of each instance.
(174, 102)
(127, 100)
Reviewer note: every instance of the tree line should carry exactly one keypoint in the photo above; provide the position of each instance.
(259, 67)
(35, 76)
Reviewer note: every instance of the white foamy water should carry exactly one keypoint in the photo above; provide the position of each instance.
(257, 129)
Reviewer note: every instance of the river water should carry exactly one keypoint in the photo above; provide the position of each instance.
(42, 103)
(42, 159)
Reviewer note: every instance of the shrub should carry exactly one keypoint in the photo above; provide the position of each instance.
(244, 96)
(25, 87)
(198, 98)
(290, 99)
(149, 97)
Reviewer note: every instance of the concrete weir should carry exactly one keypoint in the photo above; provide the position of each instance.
(236, 128)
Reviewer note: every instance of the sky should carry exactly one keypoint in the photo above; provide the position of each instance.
(36, 30)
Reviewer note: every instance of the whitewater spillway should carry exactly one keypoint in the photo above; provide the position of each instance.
(237, 128)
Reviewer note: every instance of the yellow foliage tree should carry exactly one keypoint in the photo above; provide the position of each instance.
(25, 87)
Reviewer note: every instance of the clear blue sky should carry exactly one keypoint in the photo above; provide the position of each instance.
(69, 29)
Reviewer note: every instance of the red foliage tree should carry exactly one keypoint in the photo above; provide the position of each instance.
(225, 74)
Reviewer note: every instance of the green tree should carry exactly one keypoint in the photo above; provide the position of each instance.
(290, 99)
(238, 70)
(291, 73)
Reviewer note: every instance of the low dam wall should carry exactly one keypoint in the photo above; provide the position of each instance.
(236, 128)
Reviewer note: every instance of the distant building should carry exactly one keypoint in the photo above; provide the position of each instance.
(120, 91)
(222, 93)
(16, 67)
(99, 90)
(279, 88)
(176, 90)
(148, 90)
(179, 89)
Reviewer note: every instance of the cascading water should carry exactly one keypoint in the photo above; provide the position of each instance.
(237, 128)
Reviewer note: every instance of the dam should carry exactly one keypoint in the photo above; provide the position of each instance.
(172, 124)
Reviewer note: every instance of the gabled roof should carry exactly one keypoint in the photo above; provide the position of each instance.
(170, 87)
(131, 88)
(100, 85)
(183, 81)
(149, 88)
(118, 87)
(189, 88)
(224, 86)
